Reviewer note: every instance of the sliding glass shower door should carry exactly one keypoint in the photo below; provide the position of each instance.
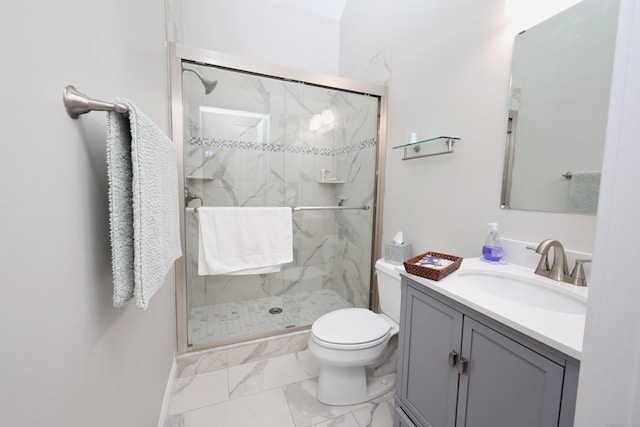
(252, 140)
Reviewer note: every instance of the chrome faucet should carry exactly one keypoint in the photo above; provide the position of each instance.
(559, 269)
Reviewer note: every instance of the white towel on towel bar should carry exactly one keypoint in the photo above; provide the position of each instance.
(235, 240)
(144, 210)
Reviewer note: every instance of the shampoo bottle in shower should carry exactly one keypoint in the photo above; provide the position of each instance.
(492, 249)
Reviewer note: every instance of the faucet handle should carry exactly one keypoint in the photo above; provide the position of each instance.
(577, 275)
(543, 265)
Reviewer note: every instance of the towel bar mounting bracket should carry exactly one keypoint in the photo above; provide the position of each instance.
(77, 103)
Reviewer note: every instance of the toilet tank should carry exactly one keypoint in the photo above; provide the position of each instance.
(389, 288)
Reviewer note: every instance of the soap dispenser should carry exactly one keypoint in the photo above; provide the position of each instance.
(492, 249)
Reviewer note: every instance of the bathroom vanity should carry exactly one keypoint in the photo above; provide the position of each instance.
(470, 356)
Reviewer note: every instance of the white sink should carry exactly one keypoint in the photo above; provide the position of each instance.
(529, 290)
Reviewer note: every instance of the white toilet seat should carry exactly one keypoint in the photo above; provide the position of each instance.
(358, 346)
(350, 329)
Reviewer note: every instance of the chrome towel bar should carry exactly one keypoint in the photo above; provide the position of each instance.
(77, 103)
(328, 208)
(313, 208)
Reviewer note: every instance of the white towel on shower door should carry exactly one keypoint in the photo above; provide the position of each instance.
(234, 240)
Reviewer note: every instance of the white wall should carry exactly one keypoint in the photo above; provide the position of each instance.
(68, 357)
(609, 388)
(450, 65)
(261, 29)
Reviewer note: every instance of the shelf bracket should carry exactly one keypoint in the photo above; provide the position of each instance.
(416, 148)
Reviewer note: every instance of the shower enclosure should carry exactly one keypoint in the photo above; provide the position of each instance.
(260, 135)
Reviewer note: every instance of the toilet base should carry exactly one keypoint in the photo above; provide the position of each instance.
(349, 385)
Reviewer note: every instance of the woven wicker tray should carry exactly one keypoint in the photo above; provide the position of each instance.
(432, 273)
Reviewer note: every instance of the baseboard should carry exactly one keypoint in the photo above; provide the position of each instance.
(167, 394)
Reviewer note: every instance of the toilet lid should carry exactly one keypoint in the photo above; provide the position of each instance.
(350, 326)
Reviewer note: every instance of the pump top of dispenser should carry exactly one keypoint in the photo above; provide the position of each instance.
(492, 250)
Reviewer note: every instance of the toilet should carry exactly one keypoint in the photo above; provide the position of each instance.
(356, 347)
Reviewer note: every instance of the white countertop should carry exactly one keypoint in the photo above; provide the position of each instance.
(561, 330)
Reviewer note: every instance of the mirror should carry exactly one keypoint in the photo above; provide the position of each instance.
(558, 107)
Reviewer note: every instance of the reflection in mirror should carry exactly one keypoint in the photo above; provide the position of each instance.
(558, 105)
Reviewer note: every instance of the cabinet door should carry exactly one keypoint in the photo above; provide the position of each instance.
(506, 384)
(428, 385)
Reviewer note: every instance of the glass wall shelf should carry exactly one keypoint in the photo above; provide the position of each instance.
(415, 146)
(331, 181)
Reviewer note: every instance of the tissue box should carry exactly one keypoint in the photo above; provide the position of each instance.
(396, 254)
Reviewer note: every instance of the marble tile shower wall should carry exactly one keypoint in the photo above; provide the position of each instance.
(242, 168)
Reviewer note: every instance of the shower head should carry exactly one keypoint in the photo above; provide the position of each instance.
(209, 85)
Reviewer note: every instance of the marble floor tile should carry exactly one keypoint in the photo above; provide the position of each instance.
(199, 391)
(269, 389)
(376, 415)
(266, 374)
(266, 409)
(347, 420)
(307, 410)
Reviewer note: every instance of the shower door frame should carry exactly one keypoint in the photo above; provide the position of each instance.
(178, 53)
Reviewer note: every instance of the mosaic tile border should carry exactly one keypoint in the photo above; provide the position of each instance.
(247, 145)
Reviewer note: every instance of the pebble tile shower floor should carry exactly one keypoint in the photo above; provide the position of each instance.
(231, 320)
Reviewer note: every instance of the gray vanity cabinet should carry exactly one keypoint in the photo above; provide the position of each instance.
(457, 368)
